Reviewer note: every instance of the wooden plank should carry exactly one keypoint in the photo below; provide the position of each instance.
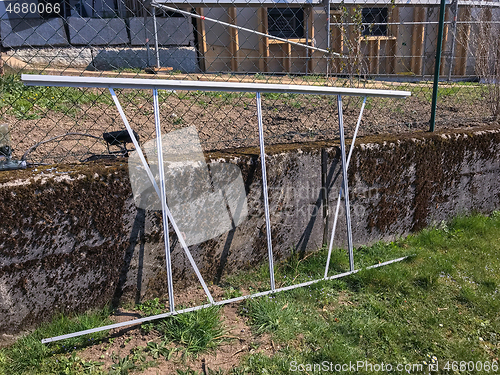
(417, 40)
(296, 40)
(463, 35)
(234, 45)
(376, 37)
(202, 39)
(263, 41)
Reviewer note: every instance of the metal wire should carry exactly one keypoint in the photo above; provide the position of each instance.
(358, 44)
(354, 45)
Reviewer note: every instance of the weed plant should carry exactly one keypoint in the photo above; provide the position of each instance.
(196, 331)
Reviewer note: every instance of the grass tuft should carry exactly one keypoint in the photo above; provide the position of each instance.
(197, 331)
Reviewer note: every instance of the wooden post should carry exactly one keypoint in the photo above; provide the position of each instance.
(463, 35)
(234, 45)
(337, 39)
(417, 40)
(202, 39)
(263, 40)
(391, 44)
(445, 41)
(354, 43)
(310, 53)
(373, 52)
(287, 57)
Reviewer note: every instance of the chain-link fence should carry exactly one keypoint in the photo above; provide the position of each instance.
(370, 43)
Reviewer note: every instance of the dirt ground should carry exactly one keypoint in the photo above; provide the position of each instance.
(239, 340)
(228, 120)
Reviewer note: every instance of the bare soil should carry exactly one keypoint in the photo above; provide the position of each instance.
(239, 340)
(228, 120)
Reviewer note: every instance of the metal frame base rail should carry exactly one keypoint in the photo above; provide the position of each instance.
(258, 89)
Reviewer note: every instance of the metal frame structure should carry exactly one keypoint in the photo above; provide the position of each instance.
(155, 85)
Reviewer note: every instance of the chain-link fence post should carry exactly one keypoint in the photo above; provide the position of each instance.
(437, 65)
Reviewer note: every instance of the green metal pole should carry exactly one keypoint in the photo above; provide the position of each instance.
(437, 65)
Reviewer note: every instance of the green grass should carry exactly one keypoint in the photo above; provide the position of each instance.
(196, 331)
(459, 93)
(32, 102)
(130, 70)
(314, 78)
(29, 356)
(442, 302)
(193, 332)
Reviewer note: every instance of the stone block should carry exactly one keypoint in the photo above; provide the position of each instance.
(97, 31)
(172, 31)
(33, 33)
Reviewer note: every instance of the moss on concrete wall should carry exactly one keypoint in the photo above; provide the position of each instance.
(71, 237)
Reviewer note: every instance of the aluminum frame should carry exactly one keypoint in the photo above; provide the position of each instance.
(155, 85)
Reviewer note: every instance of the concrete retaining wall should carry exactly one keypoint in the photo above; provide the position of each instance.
(71, 238)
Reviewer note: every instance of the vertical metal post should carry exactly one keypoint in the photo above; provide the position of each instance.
(437, 65)
(328, 35)
(157, 49)
(264, 190)
(146, 36)
(330, 246)
(163, 198)
(454, 11)
(345, 185)
(157, 189)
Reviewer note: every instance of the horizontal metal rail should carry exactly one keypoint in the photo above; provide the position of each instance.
(166, 84)
(219, 303)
